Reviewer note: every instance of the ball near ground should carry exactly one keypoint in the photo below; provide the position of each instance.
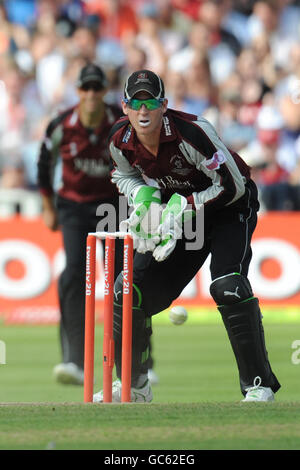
(178, 315)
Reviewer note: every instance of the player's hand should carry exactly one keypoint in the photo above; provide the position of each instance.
(145, 219)
(49, 213)
(170, 229)
(50, 218)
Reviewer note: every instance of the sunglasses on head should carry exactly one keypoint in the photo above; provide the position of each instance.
(151, 103)
(95, 86)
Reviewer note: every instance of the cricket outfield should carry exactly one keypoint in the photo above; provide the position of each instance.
(196, 403)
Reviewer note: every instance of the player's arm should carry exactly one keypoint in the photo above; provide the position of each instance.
(144, 198)
(127, 179)
(203, 149)
(46, 163)
(210, 156)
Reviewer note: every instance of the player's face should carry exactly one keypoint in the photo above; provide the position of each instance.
(145, 118)
(91, 96)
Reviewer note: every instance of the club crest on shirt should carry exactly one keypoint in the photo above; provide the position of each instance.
(178, 165)
(215, 162)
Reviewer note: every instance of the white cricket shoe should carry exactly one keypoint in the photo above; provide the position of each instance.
(258, 393)
(69, 374)
(138, 395)
(153, 377)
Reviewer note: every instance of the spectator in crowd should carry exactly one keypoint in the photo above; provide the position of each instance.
(263, 155)
(20, 12)
(12, 128)
(192, 91)
(287, 100)
(197, 44)
(118, 18)
(171, 30)
(84, 42)
(208, 41)
(212, 14)
(66, 94)
(280, 21)
(267, 71)
(135, 58)
(188, 8)
(226, 118)
(251, 100)
(224, 47)
(49, 65)
(179, 98)
(199, 81)
(149, 38)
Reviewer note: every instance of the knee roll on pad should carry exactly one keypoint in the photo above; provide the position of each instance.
(118, 290)
(141, 333)
(230, 289)
(118, 293)
(118, 302)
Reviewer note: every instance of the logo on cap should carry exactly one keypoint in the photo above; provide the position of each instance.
(142, 77)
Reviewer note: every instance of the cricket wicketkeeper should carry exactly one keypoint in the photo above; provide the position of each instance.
(171, 165)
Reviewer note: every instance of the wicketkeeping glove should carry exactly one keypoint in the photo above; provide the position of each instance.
(145, 218)
(170, 229)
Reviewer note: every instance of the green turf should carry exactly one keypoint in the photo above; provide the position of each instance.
(196, 404)
(153, 426)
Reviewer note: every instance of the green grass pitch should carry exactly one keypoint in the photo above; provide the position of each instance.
(196, 403)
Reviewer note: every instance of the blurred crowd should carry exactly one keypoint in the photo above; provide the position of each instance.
(237, 63)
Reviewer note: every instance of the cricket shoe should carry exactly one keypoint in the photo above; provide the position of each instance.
(153, 377)
(258, 393)
(68, 374)
(138, 395)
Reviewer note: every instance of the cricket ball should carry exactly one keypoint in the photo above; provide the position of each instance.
(178, 315)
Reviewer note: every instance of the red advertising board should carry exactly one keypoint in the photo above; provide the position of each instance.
(32, 257)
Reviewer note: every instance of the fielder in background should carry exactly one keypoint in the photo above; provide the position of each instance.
(76, 144)
(166, 156)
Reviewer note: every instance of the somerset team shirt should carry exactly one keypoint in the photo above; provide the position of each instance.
(191, 161)
(84, 157)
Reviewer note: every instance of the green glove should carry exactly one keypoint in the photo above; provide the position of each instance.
(170, 229)
(145, 218)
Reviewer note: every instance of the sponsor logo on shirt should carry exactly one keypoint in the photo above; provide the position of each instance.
(127, 134)
(170, 182)
(167, 126)
(91, 167)
(215, 162)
